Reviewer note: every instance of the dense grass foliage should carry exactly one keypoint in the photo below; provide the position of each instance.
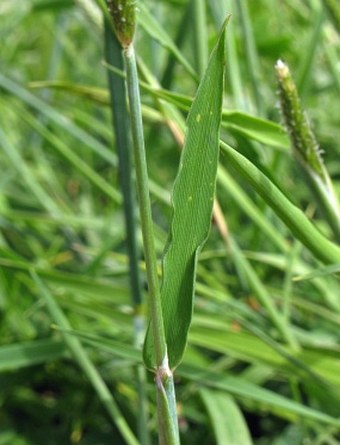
(262, 362)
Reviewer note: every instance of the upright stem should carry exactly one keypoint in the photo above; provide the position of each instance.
(164, 379)
(142, 180)
(200, 36)
(121, 129)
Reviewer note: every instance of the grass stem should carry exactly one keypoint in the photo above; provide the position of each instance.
(121, 130)
(164, 380)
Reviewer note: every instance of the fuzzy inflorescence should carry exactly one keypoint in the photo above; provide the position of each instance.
(296, 121)
(123, 13)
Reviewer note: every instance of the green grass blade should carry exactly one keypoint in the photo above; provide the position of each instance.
(251, 59)
(19, 355)
(155, 30)
(236, 386)
(27, 175)
(73, 158)
(252, 127)
(291, 215)
(245, 390)
(193, 197)
(262, 294)
(242, 200)
(200, 35)
(322, 272)
(306, 67)
(120, 124)
(81, 356)
(56, 117)
(226, 417)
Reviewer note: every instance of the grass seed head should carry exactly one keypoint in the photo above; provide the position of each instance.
(123, 13)
(296, 121)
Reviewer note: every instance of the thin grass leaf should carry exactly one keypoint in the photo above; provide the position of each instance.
(333, 9)
(252, 127)
(227, 420)
(306, 64)
(322, 272)
(85, 363)
(121, 130)
(200, 35)
(291, 215)
(237, 386)
(251, 54)
(244, 390)
(315, 365)
(193, 197)
(155, 30)
(54, 116)
(19, 355)
(248, 206)
(97, 95)
(73, 158)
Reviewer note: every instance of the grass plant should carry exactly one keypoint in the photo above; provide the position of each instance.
(211, 314)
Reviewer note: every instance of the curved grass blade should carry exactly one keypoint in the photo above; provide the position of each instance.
(244, 390)
(226, 418)
(292, 216)
(193, 197)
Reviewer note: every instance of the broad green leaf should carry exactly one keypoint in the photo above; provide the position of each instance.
(226, 417)
(192, 200)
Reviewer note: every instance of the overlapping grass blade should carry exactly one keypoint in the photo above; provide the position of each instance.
(252, 127)
(85, 363)
(155, 30)
(55, 116)
(244, 390)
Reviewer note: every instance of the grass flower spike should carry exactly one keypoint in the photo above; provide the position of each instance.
(305, 146)
(123, 13)
(296, 121)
